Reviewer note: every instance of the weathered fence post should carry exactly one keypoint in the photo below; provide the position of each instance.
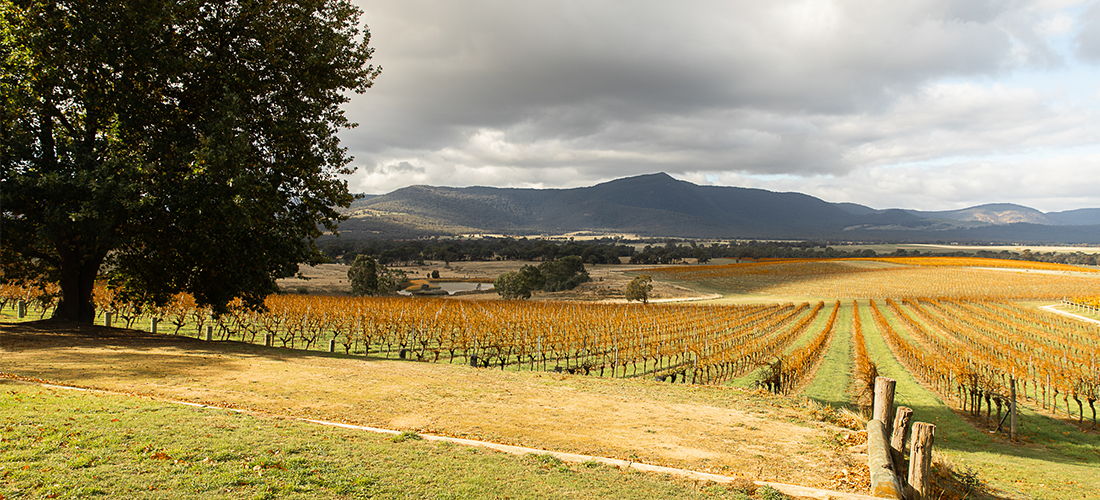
(332, 345)
(884, 402)
(269, 339)
(884, 480)
(902, 419)
(209, 333)
(920, 461)
(153, 325)
(107, 317)
(21, 308)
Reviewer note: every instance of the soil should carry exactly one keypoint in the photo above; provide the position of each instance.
(712, 429)
(607, 285)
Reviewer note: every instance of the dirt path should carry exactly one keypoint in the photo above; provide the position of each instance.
(708, 429)
(1053, 308)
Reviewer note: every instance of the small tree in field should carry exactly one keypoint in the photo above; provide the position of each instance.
(363, 276)
(367, 277)
(639, 288)
(515, 284)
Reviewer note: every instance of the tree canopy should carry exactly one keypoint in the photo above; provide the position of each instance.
(178, 145)
(367, 277)
(639, 288)
(551, 276)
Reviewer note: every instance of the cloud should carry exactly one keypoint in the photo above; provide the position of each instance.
(1088, 35)
(563, 94)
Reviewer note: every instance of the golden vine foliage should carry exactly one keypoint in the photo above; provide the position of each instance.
(900, 277)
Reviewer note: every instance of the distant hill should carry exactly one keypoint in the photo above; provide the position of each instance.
(997, 213)
(658, 205)
(1079, 217)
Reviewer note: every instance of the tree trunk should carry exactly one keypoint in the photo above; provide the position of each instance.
(77, 281)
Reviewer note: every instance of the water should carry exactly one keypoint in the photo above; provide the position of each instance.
(458, 286)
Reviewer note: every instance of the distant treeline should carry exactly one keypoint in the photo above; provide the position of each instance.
(482, 249)
(609, 251)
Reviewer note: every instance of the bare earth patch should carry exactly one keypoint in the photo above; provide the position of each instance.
(709, 429)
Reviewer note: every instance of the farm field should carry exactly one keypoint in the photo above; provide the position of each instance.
(955, 350)
(935, 249)
(706, 428)
(894, 277)
(99, 445)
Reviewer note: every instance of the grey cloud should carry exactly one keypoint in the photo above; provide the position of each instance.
(1088, 36)
(603, 89)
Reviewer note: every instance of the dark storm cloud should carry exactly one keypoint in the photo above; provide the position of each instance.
(600, 89)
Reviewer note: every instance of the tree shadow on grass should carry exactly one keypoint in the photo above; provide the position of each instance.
(124, 350)
(964, 435)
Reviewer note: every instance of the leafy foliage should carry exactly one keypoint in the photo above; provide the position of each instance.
(553, 276)
(639, 288)
(191, 146)
(369, 278)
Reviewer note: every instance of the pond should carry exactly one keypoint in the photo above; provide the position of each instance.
(451, 287)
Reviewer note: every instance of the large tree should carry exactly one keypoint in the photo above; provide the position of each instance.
(174, 145)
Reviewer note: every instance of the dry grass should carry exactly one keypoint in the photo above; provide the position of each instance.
(710, 429)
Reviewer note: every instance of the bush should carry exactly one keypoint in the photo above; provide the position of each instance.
(406, 436)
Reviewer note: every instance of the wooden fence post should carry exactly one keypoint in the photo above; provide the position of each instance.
(902, 419)
(884, 402)
(269, 339)
(107, 317)
(920, 461)
(21, 309)
(209, 333)
(153, 325)
(332, 345)
(884, 479)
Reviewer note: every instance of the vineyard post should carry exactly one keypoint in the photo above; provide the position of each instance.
(107, 319)
(22, 308)
(153, 325)
(1012, 407)
(903, 417)
(209, 333)
(332, 345)
(884, 402)
(920, 461)
(269, 339)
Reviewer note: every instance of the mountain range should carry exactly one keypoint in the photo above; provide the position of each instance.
(657, 205)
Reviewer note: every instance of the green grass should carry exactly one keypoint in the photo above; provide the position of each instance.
(1054, 459)
(58, 443)
(830, 384)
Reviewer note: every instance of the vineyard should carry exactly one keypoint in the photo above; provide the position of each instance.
(698, 344)
(968, 349)
(955, 330)
(983, 352)
(960, 330)
(880, 278)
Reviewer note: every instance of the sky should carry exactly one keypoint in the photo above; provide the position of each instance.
(919, 104)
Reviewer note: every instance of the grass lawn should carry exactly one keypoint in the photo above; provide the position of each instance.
(60, 443)
(1054, 460)
(830, 384)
